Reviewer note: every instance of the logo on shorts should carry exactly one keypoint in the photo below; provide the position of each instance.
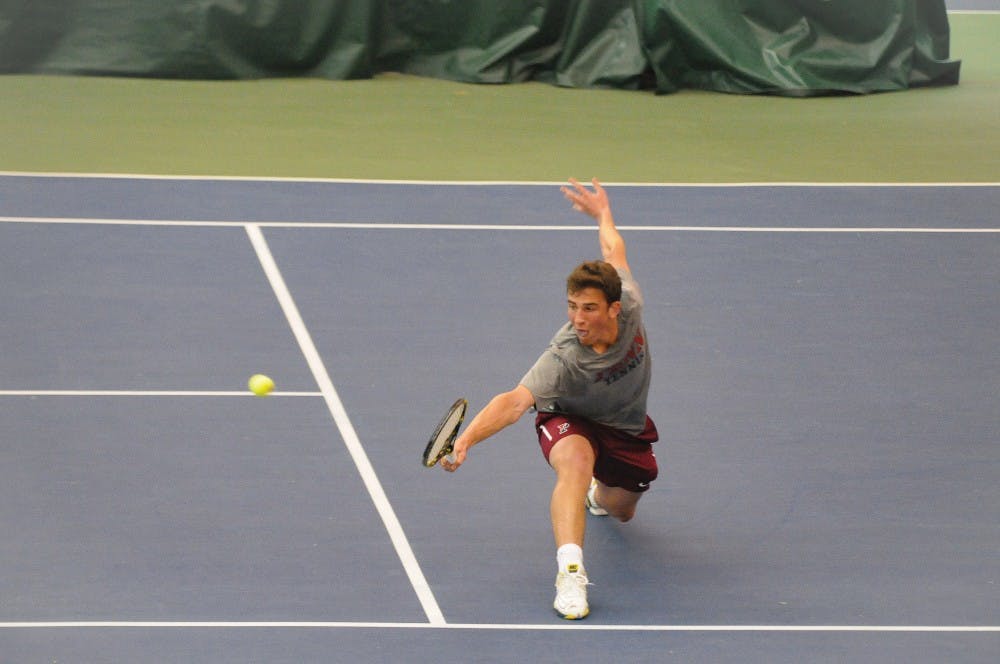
(563, 428)
(643, 485)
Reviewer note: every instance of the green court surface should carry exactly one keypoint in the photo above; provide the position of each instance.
(401, 127)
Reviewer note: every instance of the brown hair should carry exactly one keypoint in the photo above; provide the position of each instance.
(596, 274)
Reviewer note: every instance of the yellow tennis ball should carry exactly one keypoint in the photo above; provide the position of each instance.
(260, 385)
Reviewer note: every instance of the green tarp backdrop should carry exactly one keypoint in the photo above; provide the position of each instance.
(791, 47)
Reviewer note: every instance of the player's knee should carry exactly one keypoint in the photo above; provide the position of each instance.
(580, 464)
(623, 515)
(619, 503)
(575, 457)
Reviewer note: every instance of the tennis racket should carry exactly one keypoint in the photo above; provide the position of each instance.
(443, 439)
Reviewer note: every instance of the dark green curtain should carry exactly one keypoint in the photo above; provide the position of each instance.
(798, 47)
(791, 47)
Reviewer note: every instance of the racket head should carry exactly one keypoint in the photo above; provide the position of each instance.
(442, 441)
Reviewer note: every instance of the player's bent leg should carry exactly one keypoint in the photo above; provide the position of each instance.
(618, 502)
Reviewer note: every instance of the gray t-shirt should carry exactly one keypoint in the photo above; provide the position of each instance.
(609, 388)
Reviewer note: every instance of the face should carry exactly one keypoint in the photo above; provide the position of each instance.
(594, 320)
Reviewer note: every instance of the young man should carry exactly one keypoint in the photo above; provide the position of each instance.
(589, 388)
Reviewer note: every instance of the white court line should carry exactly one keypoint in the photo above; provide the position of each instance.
(563, 626)
(696, 229)
(347, 432)
(147, 393)
(492, 227)
(119, 222)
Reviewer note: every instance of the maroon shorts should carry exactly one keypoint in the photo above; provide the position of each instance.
(623, 460)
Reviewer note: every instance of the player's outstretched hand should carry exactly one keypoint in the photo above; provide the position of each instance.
(594, 203)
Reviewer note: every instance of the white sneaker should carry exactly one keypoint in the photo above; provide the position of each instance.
(571, 593)
(591, 502)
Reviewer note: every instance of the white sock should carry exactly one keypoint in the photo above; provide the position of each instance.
(569, 554)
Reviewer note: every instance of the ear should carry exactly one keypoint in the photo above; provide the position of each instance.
(614, 309)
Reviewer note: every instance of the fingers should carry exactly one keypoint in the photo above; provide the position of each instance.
(577, 195)
(453, 461)
(580, 191)
(573, 198)
(582, 188)
(582, 198)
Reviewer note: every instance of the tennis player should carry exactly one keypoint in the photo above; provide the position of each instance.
(589, 389)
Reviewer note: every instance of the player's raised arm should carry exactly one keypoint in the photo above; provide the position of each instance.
(595, 203)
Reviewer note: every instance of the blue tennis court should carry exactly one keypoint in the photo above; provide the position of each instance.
(825, 387)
